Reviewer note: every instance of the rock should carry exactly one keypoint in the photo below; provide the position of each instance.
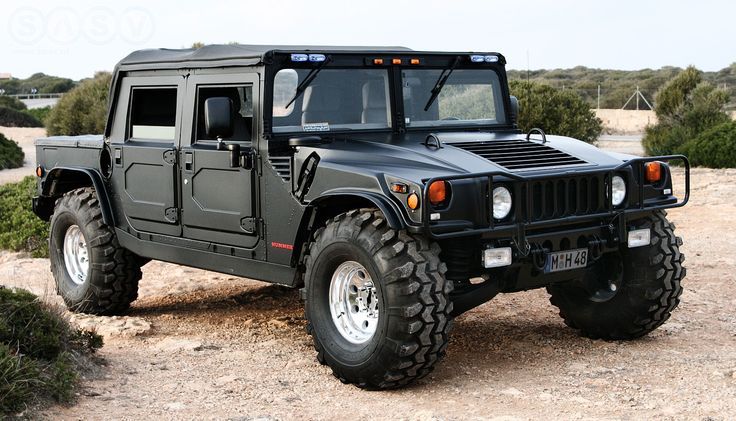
(111, 326)
(512, 391)
(174, 406)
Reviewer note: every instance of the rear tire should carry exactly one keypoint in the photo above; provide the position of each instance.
(93, 273)
(648, 292)
(413, 308)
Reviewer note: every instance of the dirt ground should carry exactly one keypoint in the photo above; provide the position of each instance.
(201, 345)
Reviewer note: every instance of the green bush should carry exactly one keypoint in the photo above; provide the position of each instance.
(44, 83)
(11, 155)
(686, 107)
(556, 111)
(40, 114)
(12, 103)
(39, 352)
(14, 118)
(714, 148)
(20, 228)
(83, 110)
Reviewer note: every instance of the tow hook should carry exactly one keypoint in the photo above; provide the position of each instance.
(538, 254)
(595, 245)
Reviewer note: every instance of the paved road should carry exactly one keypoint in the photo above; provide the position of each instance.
(40, 102)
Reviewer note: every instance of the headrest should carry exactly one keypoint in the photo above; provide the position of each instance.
(321, 97)
(374, 94)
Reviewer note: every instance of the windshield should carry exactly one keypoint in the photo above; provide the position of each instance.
(337, 99)
(468, 97)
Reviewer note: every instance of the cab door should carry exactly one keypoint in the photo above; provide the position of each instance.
(218, 198)
(144, 151)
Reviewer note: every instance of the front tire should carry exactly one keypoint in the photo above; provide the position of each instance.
(392, 324)
(93, 273)
(643, 298)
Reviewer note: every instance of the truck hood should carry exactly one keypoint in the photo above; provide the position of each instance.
(408, 157)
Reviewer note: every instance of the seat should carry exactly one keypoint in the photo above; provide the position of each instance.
(374, 103)
(322, 103)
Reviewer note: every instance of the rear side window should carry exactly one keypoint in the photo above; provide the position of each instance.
(153, 113)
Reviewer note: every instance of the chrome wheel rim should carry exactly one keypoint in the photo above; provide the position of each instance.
(354, 302)
(76, 255)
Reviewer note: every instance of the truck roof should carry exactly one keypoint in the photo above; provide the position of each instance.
(233, 54)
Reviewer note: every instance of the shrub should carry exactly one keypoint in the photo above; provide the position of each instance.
(12, 103)
(40, 114)
(14, 118)
(44, 84)
(714, 148)
(11, 155)
(686, 107)
(20, 228)
(83, 110)
(555, 111)
(39, 352)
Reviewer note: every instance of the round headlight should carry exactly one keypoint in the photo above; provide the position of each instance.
(501, 202)
(618, 190)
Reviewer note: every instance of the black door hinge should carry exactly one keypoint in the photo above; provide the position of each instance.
(251, 225)
(171, 214)
(170, 157)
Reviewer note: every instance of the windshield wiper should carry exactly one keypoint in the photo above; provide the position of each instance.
(307, 80)
(441, 82)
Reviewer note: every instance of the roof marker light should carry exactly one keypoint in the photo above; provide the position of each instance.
(414, 61)
(477, 59)
(377, 61)
(396, 61)
(317, 57)
(299, 57)
(491, 59)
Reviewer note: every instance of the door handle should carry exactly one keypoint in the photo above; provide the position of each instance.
(188, 161)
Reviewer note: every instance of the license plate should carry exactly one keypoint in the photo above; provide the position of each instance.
(566, 260)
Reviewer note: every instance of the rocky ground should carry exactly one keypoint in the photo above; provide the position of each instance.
(201, 345)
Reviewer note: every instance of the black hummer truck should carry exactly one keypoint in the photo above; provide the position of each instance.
(392, 186)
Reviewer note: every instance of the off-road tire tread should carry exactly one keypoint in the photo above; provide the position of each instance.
(418, 275)
(660, 275)
(114, 278)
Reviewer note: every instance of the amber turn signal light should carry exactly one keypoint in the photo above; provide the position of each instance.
(399, 188)
(437, 192)
(39, 171)
(653, 171)
(413, 201)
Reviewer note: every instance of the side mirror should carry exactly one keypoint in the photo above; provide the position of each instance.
(218, 117)
(514, 108)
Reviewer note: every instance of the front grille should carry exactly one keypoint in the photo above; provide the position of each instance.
(520, 154)
(559, 198)
(282, 165)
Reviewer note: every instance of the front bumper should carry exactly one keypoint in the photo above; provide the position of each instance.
(527, 218)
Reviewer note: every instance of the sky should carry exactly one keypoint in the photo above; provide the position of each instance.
(75, 38)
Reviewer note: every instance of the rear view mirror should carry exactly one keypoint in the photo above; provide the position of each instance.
(514, 108)
(218, 117)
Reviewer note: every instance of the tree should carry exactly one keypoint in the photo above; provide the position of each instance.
(686, 107)
(555, 111)
(83, 110)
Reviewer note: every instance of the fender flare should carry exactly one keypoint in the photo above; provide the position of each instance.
(58, 173)
(389, 209)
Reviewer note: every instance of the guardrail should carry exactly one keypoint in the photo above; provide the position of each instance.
(34, 96)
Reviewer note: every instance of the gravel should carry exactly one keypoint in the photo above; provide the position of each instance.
(202, 345)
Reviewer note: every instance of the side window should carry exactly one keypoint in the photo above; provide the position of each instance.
(242, 99)
(153, 114)
(284, 88)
